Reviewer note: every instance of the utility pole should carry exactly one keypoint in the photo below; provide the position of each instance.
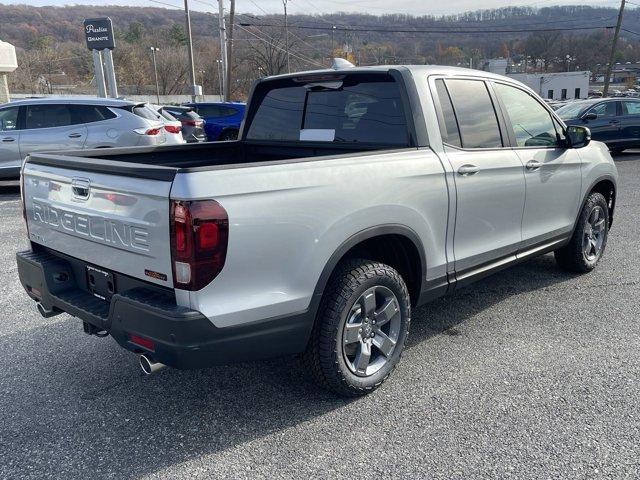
(607, 76)
(219, 64)
(232, 13)
(155, 72)
(192, 71)
(223, 45)
(286, 34)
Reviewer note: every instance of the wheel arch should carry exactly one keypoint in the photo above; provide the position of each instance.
(606, 185)
(407, 256)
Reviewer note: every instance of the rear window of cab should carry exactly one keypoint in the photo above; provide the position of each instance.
(351, 108)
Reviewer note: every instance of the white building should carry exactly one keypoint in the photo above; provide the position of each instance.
(495, 65)
(556, 86)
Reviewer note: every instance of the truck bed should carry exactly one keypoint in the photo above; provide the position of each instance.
(163, 162)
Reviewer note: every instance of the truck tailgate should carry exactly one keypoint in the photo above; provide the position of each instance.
(108, 216)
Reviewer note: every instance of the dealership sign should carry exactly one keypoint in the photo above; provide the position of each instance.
(98, 33)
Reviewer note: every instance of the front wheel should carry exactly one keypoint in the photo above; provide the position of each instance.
(585, 249)
(361, 328)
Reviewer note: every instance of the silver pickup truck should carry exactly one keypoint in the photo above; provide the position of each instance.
(352, 196)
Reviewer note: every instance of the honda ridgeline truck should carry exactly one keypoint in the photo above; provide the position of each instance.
(352, 196)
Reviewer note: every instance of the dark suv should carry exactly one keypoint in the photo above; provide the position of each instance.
(614, 121)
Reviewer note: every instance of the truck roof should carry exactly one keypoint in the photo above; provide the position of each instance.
(422, 69)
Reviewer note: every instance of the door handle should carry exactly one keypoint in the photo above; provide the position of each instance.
(466, 170)
(8, 139)
(75, 135)
(614, 122)
(533, 165)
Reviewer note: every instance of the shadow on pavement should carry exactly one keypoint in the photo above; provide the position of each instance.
(92, 413)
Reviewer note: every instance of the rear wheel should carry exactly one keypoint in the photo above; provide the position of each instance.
(589, 240)
(362, 325)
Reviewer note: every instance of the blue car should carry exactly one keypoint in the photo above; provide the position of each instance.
(221, 119)
(614, 121)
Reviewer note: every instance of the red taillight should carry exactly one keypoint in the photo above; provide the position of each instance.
(141, 341)
(172, 128)
(152, 131)
(191, 123)
(199, 237)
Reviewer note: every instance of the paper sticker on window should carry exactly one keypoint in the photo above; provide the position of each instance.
(317, 134)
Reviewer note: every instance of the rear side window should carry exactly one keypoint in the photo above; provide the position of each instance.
(9, 119)
(449, 129)
(90, 113)
(475, 114)
(145, 112)
(47, 116)
(631, 108)
(351, 109)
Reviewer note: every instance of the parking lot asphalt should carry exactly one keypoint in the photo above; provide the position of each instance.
(532, 373)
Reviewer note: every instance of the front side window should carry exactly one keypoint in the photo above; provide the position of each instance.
(475, 114)
(351, 109)
(532, 124)
(47, 116)
(605, 110)
(9, 119)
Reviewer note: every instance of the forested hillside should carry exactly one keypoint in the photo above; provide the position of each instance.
(53, 56)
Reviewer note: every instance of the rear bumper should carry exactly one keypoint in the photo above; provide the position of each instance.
(182, 338)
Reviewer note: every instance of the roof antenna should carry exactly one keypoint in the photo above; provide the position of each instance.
(340, 63)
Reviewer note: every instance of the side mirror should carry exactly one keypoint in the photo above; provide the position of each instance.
(590, 116)
(578, 136)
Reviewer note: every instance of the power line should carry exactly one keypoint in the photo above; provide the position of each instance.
(272, 43)
(358, 28)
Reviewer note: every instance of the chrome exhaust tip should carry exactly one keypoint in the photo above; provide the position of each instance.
(45, 312)
(149, 366)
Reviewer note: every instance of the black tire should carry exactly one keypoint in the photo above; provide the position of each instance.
(572, 257)
(228, 135)
(325, 356)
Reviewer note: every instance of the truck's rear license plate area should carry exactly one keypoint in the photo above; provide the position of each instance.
(101, 284)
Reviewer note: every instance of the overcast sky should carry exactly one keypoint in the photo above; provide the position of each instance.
(415, 7)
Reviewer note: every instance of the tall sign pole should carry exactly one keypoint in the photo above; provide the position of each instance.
(100, 40)
(607, 76)
(98, 73)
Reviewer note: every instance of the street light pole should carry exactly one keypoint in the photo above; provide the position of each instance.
(155, 71)
(192, 71)
(286, 34)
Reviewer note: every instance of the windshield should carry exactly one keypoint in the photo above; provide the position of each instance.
(572, 110)
(349, 108)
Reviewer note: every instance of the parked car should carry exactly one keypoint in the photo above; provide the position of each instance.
(49, 124)
(222, 119)
(192, 123)
(172, 126)
(614, 121)
(317, 232)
